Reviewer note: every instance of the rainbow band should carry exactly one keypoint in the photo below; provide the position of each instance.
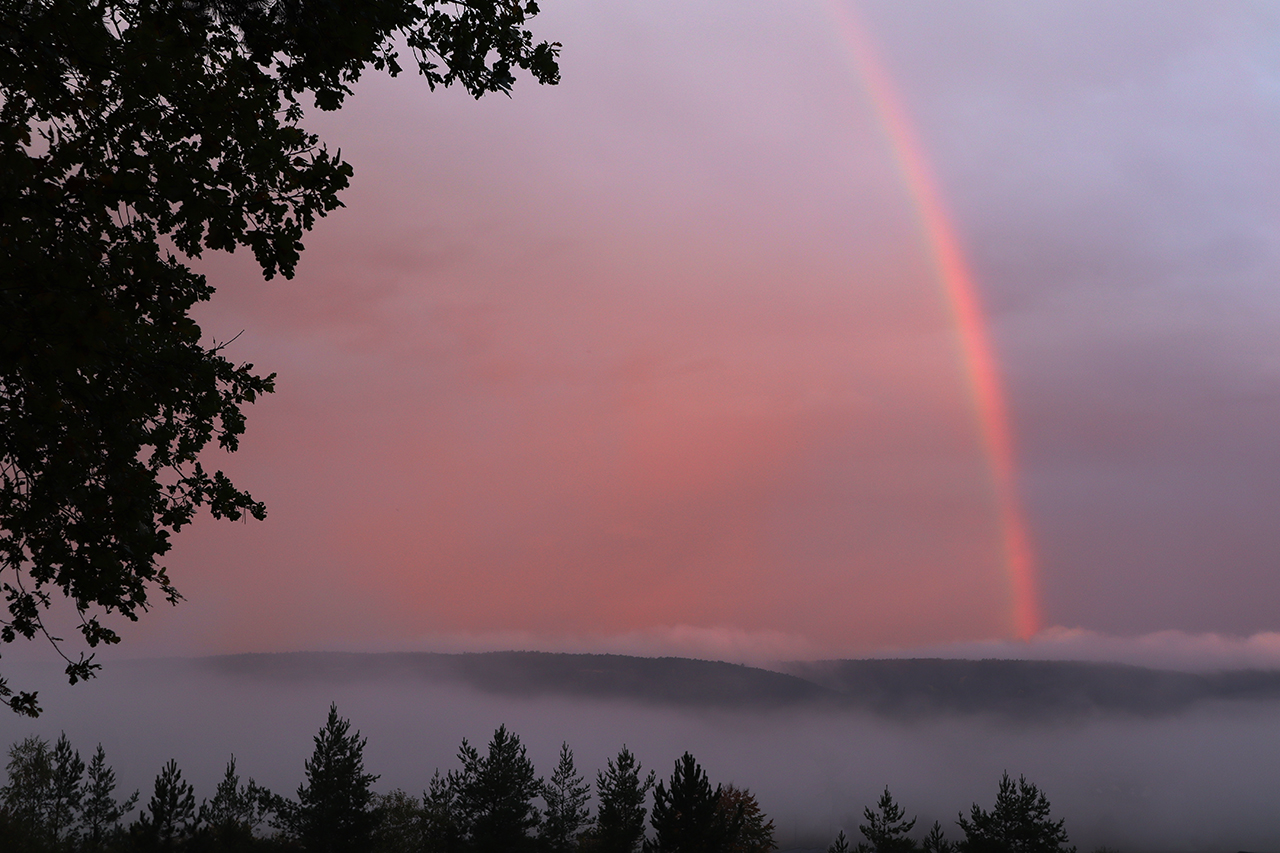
(981, 366)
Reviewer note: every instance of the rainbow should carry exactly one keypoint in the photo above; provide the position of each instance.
(978, 354)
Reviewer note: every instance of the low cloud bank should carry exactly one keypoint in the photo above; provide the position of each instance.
(1162, 649)
(1179, 650)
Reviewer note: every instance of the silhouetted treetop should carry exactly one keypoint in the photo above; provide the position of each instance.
(1018, 823)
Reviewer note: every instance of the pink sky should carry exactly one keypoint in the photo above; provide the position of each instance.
(662, 349)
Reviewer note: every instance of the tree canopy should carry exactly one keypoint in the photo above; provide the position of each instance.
(495, 794)
(622, 794)
(51, 802)
(886, 827)
(135, 135)
(1018, 823)
(334, 811)
(566, 795)
(686, 814)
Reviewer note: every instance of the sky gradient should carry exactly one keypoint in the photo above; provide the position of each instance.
(664, 352)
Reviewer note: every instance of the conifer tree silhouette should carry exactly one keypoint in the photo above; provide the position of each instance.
(236, 811)
(100, 813)
(936, 842)
(170, 817)
(495, 795)
(443, 828)
(686, 817)
(886, 828)
(1019, 823)
(566, 795)
(622, 794)
(334, 811)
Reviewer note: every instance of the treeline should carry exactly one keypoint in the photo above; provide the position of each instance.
(493, 802)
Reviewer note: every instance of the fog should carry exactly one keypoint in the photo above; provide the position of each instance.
(1204, 779)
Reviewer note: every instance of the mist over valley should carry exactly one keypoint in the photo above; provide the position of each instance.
(1133, 758)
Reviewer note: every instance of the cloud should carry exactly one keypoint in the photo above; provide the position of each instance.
(1179, 650)
(734, 645)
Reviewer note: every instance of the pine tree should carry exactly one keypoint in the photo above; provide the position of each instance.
(334, 811)
(65, 790)
(442, 825)
(840, 845)
(622, 794)
(886, 828)
(495, 795)
(936, 842)
(100, 814)
(1019, 823)
(170, 819)
(566, 795)
(686, 816)
(236, 811)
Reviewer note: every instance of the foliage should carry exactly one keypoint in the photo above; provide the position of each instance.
(442, 827)
(170, 818)
(100, 813)
(686, 815)
(622, 794)
(566, 795)
(936, 841)
(52, 803)
(495, 795)
(886, 828)
(134, 136)
(334, 812)
(235, 814)
(1019, 823)
(398, 823)
(751, 831)
(25, 798)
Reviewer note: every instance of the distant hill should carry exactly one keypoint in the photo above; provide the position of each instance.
(896, 688)
(1028, 688)
(663, 681)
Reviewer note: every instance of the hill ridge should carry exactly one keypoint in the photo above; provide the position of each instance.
(901, 688)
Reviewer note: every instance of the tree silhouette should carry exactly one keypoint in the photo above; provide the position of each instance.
(936, 842)
(65, 791)
(1019, 823)
(134, 136)
(170, 817)
(26, 798)
(100, 813)
(236, 812)
(443, 829)
(398, 825)
(749, 830)
(686, 816)
(566, 797)
(886, 828)
(334, 811)
(495, 795)
(622, 794)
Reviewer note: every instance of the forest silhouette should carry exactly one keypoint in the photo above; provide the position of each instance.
(491, 802)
